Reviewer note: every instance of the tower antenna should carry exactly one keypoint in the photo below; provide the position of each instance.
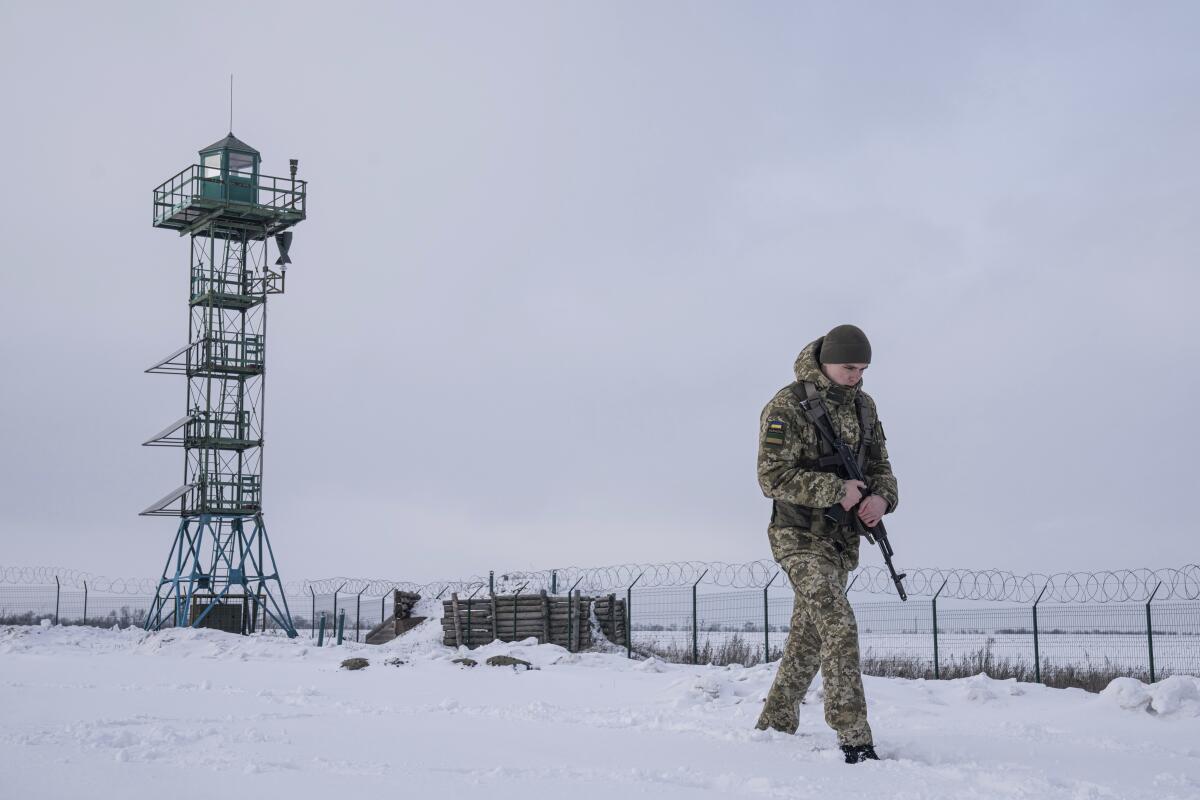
(231, 102)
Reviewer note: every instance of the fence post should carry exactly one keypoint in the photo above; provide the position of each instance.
(57, 592)
(571, 617)
(767, 621)
(516, 594)
(491, 581)
(579, 613)
(313, 621)
(1150, 630)
(341, 626)
(321, 631)
(936, 672)
(335, 594)
(629, 615)
(383, 608)
(1037, 655)
(358, 616)
(554, 582)
(695, 626)
(85, 598)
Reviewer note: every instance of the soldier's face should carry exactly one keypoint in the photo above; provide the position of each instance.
(844, 374)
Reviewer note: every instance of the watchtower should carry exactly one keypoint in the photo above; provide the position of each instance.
(221, 571)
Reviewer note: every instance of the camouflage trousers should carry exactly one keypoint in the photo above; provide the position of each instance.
(823, 636)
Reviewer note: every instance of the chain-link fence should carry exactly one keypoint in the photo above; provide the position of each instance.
(358, 612)
(29, 605)
(1063, 645)
(1058, 643)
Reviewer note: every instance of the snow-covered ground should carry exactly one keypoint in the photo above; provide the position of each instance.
(196, 714)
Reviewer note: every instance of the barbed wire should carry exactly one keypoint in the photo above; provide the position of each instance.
(75, 579)
(1111, 586)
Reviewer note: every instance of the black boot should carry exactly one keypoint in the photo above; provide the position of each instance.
(856, 754)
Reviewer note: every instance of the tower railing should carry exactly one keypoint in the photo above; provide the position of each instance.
(221, 429)
(224, 493)
(226, 353)
(191, 188)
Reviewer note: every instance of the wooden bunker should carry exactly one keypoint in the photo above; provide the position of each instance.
(561, 620)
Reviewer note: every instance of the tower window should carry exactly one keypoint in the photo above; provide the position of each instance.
(241, 163)
(212, 165)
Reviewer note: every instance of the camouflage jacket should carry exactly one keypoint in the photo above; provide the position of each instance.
(789, 448)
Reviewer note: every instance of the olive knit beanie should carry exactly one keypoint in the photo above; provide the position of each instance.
(845, 344)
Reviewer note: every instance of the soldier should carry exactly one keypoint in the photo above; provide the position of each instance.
(797, 471)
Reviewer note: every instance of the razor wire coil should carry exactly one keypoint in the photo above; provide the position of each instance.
(1111, 586)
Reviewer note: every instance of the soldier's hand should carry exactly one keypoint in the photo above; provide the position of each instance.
(872, 510)
(854, 493)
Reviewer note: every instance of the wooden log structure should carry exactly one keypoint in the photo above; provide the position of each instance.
(562, 620)
(402, 608)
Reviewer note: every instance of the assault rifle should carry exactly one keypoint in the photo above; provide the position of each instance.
(837, 514)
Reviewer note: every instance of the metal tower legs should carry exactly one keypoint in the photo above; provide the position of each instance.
(216, 563)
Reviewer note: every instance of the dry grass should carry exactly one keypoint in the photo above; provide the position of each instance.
(731, 650)
(113, 619)
(737, 650)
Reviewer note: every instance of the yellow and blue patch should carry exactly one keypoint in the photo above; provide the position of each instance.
(776, 433)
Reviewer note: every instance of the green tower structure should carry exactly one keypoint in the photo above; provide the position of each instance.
(221, 571)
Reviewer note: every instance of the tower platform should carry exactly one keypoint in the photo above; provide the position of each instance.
(263, 206)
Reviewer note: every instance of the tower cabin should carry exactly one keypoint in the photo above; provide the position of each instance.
(227, 194)
(230, 171)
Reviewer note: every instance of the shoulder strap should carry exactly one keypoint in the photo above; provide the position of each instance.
(810, 399)
(813, 407)
(866, 429)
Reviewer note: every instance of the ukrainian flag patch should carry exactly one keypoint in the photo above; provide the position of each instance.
(776, 433)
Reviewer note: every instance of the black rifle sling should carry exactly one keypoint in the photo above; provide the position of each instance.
(813, 406)
(866, 431)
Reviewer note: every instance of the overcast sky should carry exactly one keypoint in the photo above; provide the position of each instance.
(559, 256)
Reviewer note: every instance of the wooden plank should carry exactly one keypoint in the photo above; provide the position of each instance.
(612, 614)
(457, 627)
(578, 619)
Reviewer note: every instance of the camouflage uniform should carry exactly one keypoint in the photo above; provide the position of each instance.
(816, 554)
